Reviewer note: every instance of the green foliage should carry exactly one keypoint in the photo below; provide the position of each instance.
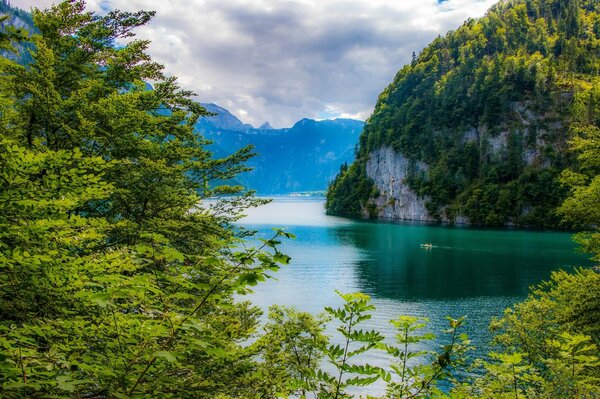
(299, 359)
(489, 108)
(117, 280)
(506, 376)
(570, 369)
(549, 342)
(544, 351)
(290, 351)
(349, 192)
(567, 303)
(343, 357)
(409, 379)
(572, 372)
(113, 281)
(416, 377)
(581, 207)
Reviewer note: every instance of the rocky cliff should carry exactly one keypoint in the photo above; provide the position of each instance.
(531, 137)
(16, 20)
(389, 171)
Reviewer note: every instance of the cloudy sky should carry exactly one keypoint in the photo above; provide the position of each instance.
(283, 60)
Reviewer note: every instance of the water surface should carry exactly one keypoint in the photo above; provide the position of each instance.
(469, 272)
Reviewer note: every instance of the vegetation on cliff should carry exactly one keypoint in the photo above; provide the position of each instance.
(490, 108)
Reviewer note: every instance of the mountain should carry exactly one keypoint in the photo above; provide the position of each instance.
(222, 119)
(266, 126)
(18, 20)
(303, 158)
(476, 129)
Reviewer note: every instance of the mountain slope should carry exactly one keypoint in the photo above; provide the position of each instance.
(302, 158)
(22, 22)
(475, 130)
(223, 119)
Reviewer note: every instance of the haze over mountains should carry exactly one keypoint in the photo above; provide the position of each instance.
(302, 158)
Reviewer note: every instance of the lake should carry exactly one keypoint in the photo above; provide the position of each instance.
(468, 272)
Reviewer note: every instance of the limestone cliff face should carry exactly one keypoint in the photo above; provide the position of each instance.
(396, 200)
(532, 132)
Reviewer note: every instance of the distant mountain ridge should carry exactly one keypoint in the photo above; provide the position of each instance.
(223, 119)
(302, 158)
(266, 126)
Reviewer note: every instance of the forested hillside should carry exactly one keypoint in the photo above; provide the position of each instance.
(16, 22)
(475, 129)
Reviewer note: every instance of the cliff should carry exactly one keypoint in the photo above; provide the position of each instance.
(16, 20)
(396, 200)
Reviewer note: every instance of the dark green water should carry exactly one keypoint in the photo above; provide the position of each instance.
(472, 272)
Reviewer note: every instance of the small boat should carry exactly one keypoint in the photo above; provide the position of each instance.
(427, 246)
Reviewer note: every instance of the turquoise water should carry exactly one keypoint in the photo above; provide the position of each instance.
(469, 272)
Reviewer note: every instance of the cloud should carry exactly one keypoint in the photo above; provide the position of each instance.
(282, 60)
(28, 4)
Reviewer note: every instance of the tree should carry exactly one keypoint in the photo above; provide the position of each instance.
(581, 207)
(290, 351)
(114, 282)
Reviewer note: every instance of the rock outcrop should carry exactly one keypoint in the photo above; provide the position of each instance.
(396, 200)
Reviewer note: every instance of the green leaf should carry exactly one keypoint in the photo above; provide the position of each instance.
(168, 356)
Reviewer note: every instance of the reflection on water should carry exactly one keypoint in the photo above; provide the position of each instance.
(462, 263)
(387, 260)
(472, 272)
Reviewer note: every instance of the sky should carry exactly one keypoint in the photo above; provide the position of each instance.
(284, 60)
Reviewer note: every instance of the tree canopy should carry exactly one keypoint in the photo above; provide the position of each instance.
(114, 282)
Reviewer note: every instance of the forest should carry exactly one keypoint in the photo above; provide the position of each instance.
(490, 109)
(116, 281)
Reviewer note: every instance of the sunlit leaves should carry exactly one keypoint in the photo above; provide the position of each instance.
(344, 357)
(113, 281)
(581, 207)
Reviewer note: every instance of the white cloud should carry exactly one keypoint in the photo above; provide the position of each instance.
(282, 60)
(29, 4)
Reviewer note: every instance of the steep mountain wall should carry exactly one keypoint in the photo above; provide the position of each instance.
(530, 139)
(20, 20)
(396, 200)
